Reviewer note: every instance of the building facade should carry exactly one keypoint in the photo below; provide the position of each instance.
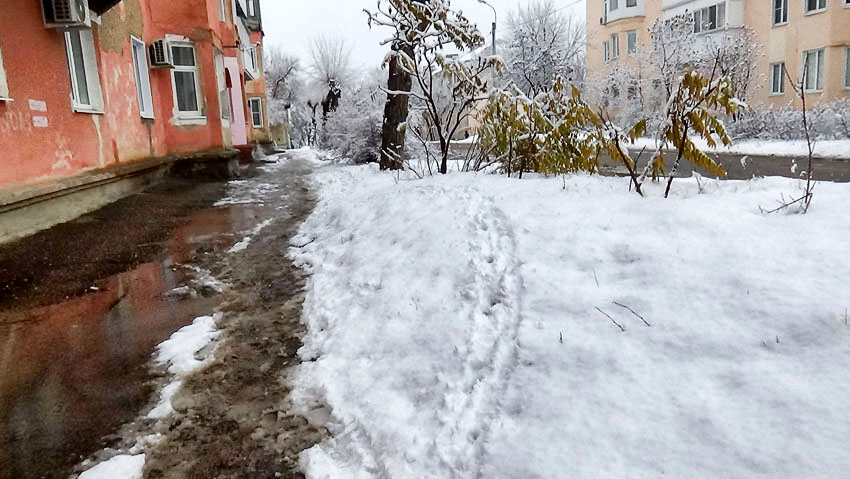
(91, 88)
(794, 36)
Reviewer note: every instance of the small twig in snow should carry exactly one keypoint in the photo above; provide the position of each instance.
(595, 278)
(612, 320)
(633, 312)
(305, 244)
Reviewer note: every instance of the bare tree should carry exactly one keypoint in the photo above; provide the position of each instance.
(543, 43)
(331, 70)
(281, 70)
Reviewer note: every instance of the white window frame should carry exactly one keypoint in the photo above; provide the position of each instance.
(606, 51)
(700, 16)
(631, 42)
(783, 6)
(195, 70)
(773, 84)
(258, 101)
(222, 14)
(847, 65)
(143, 77)
(813, 11)
(615, 46)
(95, 94)
(820, 64)
(250, 7)
(4, 85)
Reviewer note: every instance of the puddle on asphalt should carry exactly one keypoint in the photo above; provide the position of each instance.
(72, 373)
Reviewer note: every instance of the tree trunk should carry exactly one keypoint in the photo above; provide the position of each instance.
(395, 115)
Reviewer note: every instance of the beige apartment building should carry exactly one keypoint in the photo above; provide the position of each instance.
(794, 35)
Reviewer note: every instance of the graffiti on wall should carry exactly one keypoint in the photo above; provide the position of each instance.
(19, 121)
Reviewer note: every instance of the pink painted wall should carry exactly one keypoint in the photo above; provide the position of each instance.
(36, 67)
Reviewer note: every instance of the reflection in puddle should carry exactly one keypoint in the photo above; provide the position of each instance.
(74, 372)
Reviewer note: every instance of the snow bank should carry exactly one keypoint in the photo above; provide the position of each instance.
(785, 148)
(179, 351)
(466, 326)
(119, 467)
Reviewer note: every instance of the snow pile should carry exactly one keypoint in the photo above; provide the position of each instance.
(786, 148)
(246, 241)
(119, 467)
(184, 353)
(180, 350)
(478, 326)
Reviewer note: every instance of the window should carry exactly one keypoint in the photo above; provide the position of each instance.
(4, 87)
(251, 11)
(143, 77)
(604, 11)
(777, 78)
(614, 4)
(631, 42)
(606, 51)
(221, 12)
(185, 80)
(256, 107)
(780, 12)
(814, 6)
(631, 3)
(710, 18)
(86, 94)
(846, 65)
(615, 46)
(813, 70)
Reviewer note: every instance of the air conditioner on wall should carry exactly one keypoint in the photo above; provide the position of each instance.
(160, 52)
(66, 13)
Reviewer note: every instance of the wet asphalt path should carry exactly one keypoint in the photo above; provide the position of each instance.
(83, 305)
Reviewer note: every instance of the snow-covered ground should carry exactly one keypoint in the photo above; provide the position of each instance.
(784, 148)
(478, 326)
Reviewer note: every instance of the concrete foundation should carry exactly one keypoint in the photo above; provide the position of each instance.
(26, 210)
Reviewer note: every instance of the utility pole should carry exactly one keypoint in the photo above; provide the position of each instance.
(495, 20)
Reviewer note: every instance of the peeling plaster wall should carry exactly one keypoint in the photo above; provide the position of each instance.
(40, 137)
(43, 140)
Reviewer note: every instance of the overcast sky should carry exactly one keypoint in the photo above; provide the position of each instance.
(291, 24)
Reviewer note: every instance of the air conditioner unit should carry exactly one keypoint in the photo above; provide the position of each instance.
(66, 13)
(160, 52)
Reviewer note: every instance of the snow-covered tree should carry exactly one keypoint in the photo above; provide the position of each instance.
(286, 93)
(421, 32)
(330, 71)
(638, 86)
(353, 130)
(543, 43)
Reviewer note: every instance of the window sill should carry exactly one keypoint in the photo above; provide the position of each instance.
(6, 99)
(814, 12)
(777, 94)
(813, 92)
(147, 117)
(783, 24)
(87, 111)
(190, 121)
